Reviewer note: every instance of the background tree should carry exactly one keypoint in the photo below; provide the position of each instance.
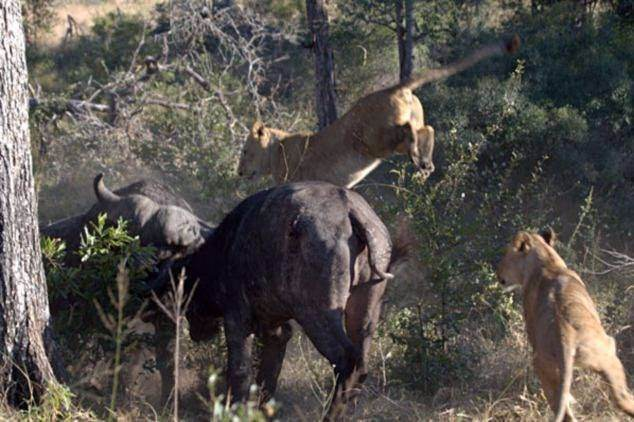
(405, 37)
(408, 55)
(397, 16)
(25, 336)
(38, 17)
(324, 63)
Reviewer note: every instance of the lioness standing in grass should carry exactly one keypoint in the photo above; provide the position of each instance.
(562, 323)
(377, 126)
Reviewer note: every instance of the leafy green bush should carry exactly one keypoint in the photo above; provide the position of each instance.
(74, 292)
(489, 184)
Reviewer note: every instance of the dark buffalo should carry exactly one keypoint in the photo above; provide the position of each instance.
(153, 210)
(160, 218)
(172, 229)
(309, 251)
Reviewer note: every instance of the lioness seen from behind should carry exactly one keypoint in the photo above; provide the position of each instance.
(562, 323)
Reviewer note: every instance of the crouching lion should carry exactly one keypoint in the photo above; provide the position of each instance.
(377, 126)
(562, 323)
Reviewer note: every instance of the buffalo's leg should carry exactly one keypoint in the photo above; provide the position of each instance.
(362, 316)
(163, 348)
(239, 344)
(271, 356)
(325, 330)
(327, 271)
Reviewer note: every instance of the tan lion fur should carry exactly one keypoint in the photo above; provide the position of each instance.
(386, 122)
(562, 323)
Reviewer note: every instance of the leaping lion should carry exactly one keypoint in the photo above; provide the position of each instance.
(562, 323)
(378, 125)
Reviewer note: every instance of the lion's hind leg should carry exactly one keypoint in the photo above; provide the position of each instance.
(566, 369)
(601, 357)
(549, 377)
(614, 375)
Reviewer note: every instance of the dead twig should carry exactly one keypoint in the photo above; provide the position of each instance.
(174, 306)
(613, 261)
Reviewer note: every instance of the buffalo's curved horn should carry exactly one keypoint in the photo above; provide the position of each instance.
(102, 192)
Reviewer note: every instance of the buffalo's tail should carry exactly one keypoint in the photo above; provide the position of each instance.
(373, 232)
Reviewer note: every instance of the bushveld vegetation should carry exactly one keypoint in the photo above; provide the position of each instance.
(543, 138)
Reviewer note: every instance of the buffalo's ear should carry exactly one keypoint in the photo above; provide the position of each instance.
(258, 129)
(522, 242)
(549, 235)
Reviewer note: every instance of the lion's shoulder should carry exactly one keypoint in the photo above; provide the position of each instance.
(574, 303)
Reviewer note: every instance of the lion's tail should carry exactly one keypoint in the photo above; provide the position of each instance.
(432, 75)
(613, 373)
(564, 389)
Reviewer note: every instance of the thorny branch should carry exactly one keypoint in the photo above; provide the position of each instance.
(209, 49)
(613, 261)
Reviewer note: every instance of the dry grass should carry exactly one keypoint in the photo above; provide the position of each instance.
(85, 11)
(503, 386)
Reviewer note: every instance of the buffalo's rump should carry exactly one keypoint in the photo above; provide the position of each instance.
(285, 248)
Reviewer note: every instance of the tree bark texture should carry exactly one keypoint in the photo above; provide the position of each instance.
(404, 10)
(324, 63)
(25, 335)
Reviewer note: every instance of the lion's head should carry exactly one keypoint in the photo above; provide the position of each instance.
(255, 158)
(527, 253)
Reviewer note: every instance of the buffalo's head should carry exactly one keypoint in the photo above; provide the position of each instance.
(203, 317)
(203, 324)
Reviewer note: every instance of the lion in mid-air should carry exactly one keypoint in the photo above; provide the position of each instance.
(378, 125)
(562, 323)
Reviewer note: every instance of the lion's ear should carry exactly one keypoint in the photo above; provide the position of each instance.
(522, 242)
(258, 128)
(549, 235)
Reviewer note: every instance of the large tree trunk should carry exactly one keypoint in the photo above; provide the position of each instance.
(400, 35)
(324, 63)
(25, 334)
(405, 37)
